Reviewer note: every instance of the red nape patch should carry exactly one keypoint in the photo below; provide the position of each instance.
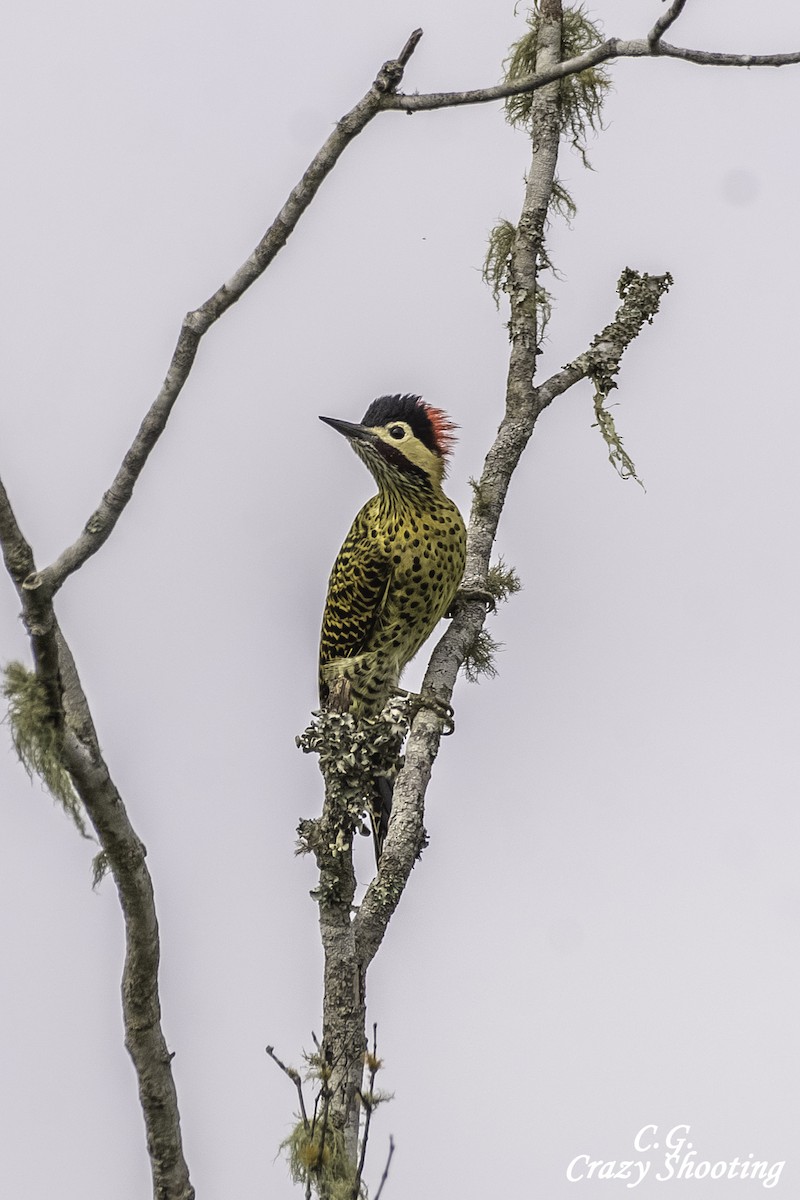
(443, 429)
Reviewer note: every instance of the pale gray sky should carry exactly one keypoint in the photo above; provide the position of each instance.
(603, 932)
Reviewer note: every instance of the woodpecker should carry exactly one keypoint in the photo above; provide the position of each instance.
(398, 570)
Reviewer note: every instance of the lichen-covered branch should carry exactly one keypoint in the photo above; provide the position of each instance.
(525, 259)
(641, 297)
(524, 403)
(352, 754)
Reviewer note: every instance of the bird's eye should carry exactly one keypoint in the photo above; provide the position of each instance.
(397, 432)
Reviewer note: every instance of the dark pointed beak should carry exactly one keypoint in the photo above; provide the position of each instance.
(349, 429)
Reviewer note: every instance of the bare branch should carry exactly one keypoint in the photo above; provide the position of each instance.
(141, 1008)
(710, 58)
(17, 554)
(385, 1174)
(612, 48)
(102, 521)
(81, 755)
(296, 1080)
(663, 23)
(403, 839)
(409, 48)
(37, 614)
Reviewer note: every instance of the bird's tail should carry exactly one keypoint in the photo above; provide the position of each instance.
(380, 809)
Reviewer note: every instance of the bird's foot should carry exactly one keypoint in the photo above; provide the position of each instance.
(443, 711)
(465, 595)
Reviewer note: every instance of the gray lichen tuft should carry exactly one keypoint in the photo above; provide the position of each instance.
(561, 202)
(100, 868)
(479, 657)
(498, 258)
(37, 739)
(495, 273)
(582, 95)
(502, 581)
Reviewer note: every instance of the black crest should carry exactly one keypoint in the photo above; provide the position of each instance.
(410, 409)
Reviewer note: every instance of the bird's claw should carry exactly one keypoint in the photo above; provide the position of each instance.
(465, 595)
(441, 708)
(449, 720)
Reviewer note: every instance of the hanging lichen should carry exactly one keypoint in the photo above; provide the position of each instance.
(582, 94)
(495, 273)
(37, 738)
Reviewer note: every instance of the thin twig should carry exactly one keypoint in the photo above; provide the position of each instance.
(296, 1080)
(409, 48)
(326, 1104)
(711, 58)
(385, 1174)
(368, 1107)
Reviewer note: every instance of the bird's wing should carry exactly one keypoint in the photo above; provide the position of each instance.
(356, 593)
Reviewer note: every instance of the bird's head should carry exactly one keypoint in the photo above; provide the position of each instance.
(402, 440)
